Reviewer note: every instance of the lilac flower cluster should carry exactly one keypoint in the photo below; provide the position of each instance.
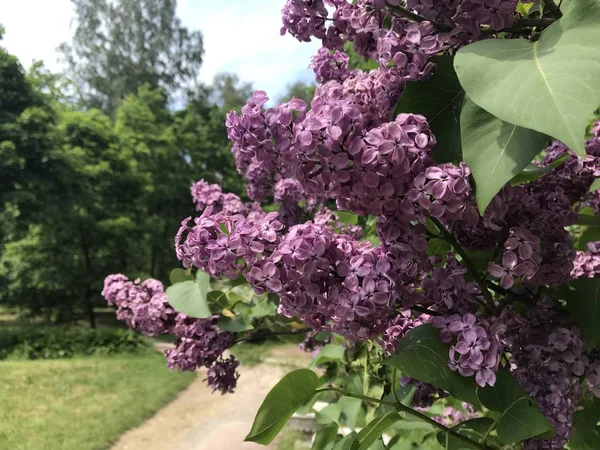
(333, 282)
(451, 417)
(368, 173)
(332, 220)
(262, 141)
(222, 375)
(295, 206)
(220, 244)
(424, 395)
(521, 258)
(446, 289)
(547, 358)
(587, 264)
(380, 33)
(330, 65)
(141, 305)
(397, 328)
(205, 194)
(199, 342)
(476, 349)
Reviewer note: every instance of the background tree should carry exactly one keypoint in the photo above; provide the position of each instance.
(301, 90)
(119, 46)
(229, 92)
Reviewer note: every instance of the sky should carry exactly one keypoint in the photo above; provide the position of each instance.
(239, 37)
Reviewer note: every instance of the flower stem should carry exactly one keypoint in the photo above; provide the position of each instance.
(258, 337)
(417, 18)
(468, 264)
(553, 7)
(402, 408)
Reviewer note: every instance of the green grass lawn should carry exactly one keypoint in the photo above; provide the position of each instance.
(81, 403)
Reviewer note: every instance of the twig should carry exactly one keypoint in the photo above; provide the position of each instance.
(417, 18)
(521, 26)
(468, 264)
(553, 7)
(425, 311)
(412, 412)
(258, 337)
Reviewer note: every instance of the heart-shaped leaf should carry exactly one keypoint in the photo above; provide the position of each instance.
(583, 303)
(474, 429)
(329, 353)
(439, 99)
(179, 275)
(519, 417)
(421, 355)
(585, 421)
(281, 403)
(549, 85)
(190, 297)
(495, 150)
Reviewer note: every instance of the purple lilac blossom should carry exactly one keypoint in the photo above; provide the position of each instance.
(141, 305)
(222, 375)
(199, 342)
(205, 194)
(330, 65)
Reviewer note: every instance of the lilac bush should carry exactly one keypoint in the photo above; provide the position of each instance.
(450, 293)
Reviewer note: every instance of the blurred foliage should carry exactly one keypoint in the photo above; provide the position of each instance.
(54, 342)
(121, 45)
(300, 90)
(84, 194)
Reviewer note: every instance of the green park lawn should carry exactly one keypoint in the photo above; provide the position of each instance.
(81, 403)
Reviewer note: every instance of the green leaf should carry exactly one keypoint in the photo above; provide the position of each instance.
(238, 324)
(440, 99)
(179, 275)
(549, 85)
(595, 185)
(347, 217)
(590, 234)
(351, 411)
(519, 417)
(474, 429)
(325, 438)
(532, 172)
(587, 432)
(190, 297)
(281, 402)
(369, 434)
(439, 247)
(349, 442)
(421, 355)
(588, 219)
(495, 150)
(583, 303)
(329, 353)
(330, 414)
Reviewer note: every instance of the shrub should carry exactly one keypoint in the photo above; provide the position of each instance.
(51, 342)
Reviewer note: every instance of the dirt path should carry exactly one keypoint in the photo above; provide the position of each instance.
(200, 420)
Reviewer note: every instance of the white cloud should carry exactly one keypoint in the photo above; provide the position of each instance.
(241, 36)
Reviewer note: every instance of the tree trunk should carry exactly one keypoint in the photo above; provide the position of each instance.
(90, 308)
